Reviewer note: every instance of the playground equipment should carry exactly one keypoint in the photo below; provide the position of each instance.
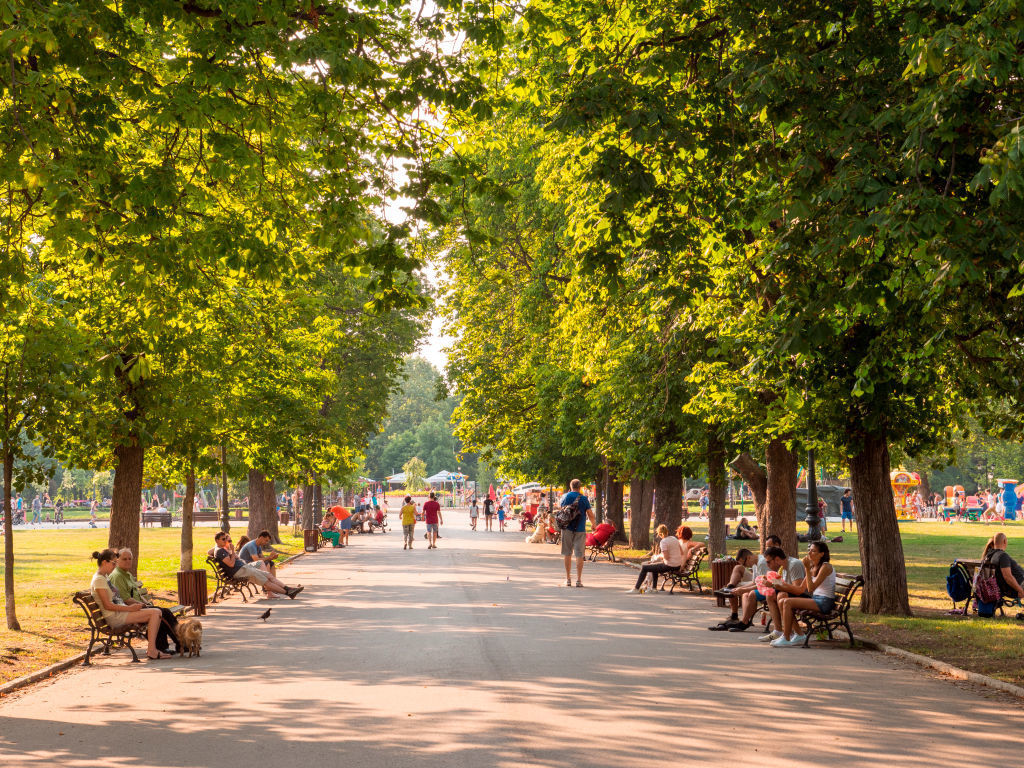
(1010, 501)
(903, 484)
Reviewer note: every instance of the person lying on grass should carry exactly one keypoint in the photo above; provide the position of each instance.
(117, 613)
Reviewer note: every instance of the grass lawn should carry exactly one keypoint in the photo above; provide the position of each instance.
(52, 564)
(993, 647)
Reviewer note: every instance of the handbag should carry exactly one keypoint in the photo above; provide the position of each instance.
(986, 587)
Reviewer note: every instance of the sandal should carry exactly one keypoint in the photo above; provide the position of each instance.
(160, 655)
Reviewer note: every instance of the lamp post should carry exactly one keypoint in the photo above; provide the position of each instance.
(812, 519)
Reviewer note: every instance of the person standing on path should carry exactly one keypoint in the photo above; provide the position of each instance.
(574, 538)
(474, 513)
(37, 508)
(489, 512)
(408, 522)
(432, 517)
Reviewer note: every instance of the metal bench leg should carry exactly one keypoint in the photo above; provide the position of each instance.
(135, 656)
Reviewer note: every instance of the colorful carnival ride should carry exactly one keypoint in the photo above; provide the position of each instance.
(903, 485)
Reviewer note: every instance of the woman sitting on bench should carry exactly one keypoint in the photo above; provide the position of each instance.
(671, 559)
(115, 612)
(685, 536)
(819, 594)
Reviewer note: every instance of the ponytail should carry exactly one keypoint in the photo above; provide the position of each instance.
(989, 546)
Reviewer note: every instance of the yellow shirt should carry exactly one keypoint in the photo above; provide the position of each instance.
(409, 514)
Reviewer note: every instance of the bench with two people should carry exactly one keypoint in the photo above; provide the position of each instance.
(119, 609)
(247, 569)
(675, 558)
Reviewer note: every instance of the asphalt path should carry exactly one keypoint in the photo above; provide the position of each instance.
(475, 654)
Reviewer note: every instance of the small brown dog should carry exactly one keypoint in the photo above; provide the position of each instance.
(190, 636)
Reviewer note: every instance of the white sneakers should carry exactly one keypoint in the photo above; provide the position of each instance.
(633, 591)
(782, 642)
(773, 635)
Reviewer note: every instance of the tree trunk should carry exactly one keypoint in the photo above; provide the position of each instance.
(881, 549)
(318, 498)
(926, 486)
(716, 496)
(125, 499)
(187, 513)
(307, 507)
(262, 506)
(668, 497)
(756, 478)
(780, 504)
(599, 494)
(641, 493)
(225, 509)
(613, 504)
(12, 617)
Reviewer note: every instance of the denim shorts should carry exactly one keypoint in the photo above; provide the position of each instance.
(431, 527)
(825, 604)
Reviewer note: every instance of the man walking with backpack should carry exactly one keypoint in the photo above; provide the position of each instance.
(573, 512)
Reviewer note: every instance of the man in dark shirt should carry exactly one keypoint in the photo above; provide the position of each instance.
(235, 568)
(1009, 575)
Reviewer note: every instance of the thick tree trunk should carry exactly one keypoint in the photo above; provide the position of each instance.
(187, 517)
(716, 496)
(599, 494)
(318, 498)
(881, 549)
(12, 617)
(613, 505)
(926, 487)
(262, 506)
(126, 499)
(641, 493)
(780, 505)
(307, 507)
(756, 478)
(668, 497)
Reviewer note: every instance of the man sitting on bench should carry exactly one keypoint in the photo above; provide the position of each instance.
(255, 552)
(127, 588)
(234, 568)
(745, 594)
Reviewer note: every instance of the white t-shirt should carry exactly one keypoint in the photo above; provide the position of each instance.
(672, 551)
(793, 570)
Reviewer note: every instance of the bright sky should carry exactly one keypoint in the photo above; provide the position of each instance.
(433, 346)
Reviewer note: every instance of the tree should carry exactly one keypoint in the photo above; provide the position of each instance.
(415, 474)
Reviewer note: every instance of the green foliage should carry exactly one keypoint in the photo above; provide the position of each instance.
(415, 474)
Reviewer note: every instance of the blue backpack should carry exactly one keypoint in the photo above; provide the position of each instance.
(958, 582)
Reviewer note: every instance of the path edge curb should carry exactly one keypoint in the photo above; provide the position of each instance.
(925, 661)
(941, 666)
(40, 674)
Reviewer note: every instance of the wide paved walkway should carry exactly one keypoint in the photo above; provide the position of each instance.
(474, 655)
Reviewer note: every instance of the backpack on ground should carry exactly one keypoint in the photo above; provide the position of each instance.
(567, 516)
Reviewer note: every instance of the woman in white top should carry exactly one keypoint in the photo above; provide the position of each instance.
(117, 614)
(671, 559)
(819, 593)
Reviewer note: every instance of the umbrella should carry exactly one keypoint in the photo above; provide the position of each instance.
(526, 487)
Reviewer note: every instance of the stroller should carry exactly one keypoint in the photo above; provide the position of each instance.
(526, 520)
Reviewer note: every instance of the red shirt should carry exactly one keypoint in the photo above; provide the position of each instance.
(430, 512)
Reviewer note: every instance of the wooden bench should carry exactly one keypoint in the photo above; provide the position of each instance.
(177, 610)
(688, 575)
(815, 621)
(101, 632)
(205, 515)
(732, 513)
(150, 517)
(227, 585)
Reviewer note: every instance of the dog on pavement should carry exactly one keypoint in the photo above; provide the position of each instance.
(190, 636)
